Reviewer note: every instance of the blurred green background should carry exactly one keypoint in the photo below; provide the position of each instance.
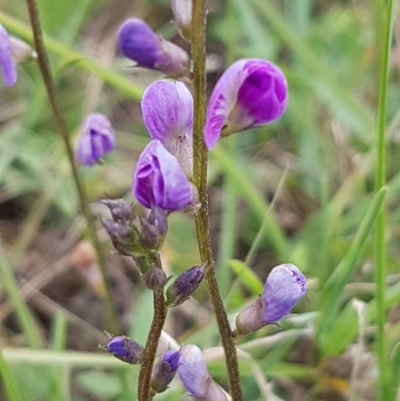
(300, 190)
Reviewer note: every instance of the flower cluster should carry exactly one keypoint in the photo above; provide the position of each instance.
(250, 93)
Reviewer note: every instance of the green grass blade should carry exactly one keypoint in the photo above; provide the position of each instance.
(10, 385)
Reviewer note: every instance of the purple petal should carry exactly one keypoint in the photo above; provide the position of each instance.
(7, 63)
(250, 92)
(97, 138)
(167, 111)
(172, 357)
(284, 286)
(117, 346)
(138, 42)
(193, 371)
(159, 179)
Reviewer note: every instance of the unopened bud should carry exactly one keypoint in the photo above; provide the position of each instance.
(120, 210)
(154, 229)
(184, 286)
(182, 10)
(139, 43)
(164, 370)
(155, 278)
(125, 349)
(284, 286)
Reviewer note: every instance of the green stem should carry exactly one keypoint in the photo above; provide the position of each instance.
(200, 156)
(44, 66)
(380, 180)
(146, 367)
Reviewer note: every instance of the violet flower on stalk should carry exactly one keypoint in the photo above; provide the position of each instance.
(284, 286)
(251, 92)
(195, 378)
(164, 370)
(139, 43)
(96, 139)
(160, 180)
(167, 110)
(7, 63)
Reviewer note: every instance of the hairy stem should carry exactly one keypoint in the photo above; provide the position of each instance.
(45, 70)
(146, 367)
(200, 180)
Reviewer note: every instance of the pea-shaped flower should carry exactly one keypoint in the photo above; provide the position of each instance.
(284, 286)
(138, 42)
(7, 63)
(96, 138)
(195, 377)
(167, 110)
(160, 180)
(251, 92)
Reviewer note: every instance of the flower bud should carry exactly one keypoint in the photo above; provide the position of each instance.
(96, 139)
(251, 92)
(7, 63)
(125, 349)
(139, 43)
(184, 286)
(182, 10)
(195, 378)
(155, 278)
(154, 229)
(284, 286)
(120, 210)
(164, 370)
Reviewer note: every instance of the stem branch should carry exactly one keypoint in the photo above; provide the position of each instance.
(45, 70)
(200, 156)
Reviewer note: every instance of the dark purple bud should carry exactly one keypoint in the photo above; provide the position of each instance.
(125, 349)
(7, 63)
(139, 43)
(124, 236)
(284, 286)
(120, 210)
(96, 139)
(154, 229)
(164, 370)
(184, 286)
(155, 278)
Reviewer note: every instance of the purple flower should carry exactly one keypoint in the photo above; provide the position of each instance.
(194, 375)
(167, 110)
(125, 349)
(164, 370)
(284, 286)
(184, 286)
(7, 63)
(96, 139)
(160, 180)
(251, 92)
(139, 43)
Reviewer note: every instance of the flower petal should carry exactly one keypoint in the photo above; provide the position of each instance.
(7, 63)
(159, 179)
(167, 111)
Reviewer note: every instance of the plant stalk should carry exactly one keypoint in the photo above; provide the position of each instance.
(200, 156)
(45, 70)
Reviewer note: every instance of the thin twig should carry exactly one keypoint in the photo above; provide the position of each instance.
(45, 70)
(200, 156)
